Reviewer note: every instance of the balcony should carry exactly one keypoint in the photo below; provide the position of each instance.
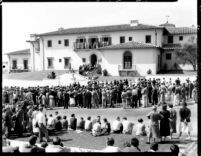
(127, 71)
(121, 67)
(87, 46)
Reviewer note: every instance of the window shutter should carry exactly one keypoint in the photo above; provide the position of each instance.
(110, 40)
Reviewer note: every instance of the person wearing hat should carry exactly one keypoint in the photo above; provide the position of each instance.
(154, 118)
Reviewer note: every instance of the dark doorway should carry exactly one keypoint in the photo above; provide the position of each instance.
(93, 59)
(127, 60)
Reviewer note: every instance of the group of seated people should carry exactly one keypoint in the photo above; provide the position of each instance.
(57, 146)
(95, 127)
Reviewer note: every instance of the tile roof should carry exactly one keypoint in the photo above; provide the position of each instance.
(181, 30)
(171, 46)
(112, 28)
(19, 52)
(129, 45)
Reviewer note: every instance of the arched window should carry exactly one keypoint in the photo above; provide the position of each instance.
(127, 60)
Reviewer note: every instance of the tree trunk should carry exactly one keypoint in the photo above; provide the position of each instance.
(194, 67)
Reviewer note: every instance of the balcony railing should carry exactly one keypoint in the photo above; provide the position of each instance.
(132, 68)
(86, 45)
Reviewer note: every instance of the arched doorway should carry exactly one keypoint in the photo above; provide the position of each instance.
(127, 60)
(93, 59)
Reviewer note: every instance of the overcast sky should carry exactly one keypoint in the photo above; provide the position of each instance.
(22, 19)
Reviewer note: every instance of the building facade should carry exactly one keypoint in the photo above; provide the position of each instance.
(19, 61)
(124, 50)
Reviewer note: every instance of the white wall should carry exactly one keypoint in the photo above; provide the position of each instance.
(138, 36)
(186, 38)
(19, 59)
(144, 59)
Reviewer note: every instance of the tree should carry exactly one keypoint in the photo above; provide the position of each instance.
(188, 53)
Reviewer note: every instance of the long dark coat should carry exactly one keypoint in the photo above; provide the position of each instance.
(164, 124)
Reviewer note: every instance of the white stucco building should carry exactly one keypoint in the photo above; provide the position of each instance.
(19, 61)
(121, 49)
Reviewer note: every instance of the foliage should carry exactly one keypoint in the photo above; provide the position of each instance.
(105, 72)
(149, 71)
(188, 53)
(99, 69)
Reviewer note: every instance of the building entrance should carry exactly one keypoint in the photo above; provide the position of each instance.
(93, 59)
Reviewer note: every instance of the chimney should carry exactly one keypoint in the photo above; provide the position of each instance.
(134, 23)
(60, 29)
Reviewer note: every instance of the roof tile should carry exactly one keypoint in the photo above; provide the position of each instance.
(124, 27)
(24, 51)
(181, 30)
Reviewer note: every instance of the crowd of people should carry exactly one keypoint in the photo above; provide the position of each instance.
(24, 109)
(127, 93)
(161, 124)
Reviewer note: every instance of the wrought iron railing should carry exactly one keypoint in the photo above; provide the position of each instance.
(127, 68)
(86, 45)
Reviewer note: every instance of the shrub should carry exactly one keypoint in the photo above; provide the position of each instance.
(99, 69)
(105, 73)
(51, 75)
(149, 71)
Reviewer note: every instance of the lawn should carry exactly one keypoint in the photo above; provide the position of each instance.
(38, 75)
(85, 140)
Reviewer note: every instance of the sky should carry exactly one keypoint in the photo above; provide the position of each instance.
(22, 19)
